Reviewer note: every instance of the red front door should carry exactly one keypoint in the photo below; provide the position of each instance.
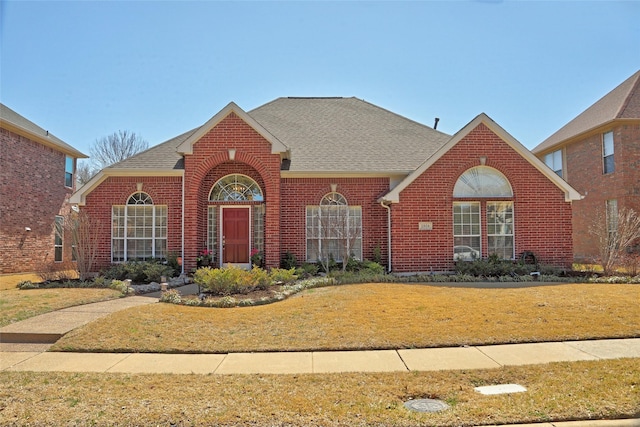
(235, 235)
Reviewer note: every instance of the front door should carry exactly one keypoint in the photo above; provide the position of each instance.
(235, 235)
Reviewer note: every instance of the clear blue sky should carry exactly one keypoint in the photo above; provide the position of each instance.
(85, 69)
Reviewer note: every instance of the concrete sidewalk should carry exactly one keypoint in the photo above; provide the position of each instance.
(431, 359)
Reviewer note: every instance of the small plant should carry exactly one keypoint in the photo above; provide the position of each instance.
(281, 275)
(171, 296)
(289, 261)
(121, 287)
(307, 270)
(256, 257)
(204, 258)
(27, 284)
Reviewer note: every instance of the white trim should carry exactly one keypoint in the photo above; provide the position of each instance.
(571, 194)
(221, 229)
(186, 147)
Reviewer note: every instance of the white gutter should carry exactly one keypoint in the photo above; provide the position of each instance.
(182, 243)
(388, 208)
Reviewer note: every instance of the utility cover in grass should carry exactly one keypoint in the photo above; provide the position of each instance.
(500, 389)
(426, 405)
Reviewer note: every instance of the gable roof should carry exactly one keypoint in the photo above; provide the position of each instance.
(186, 147)
(570, 193)
(347, 135)
(623, 102)
(15, 123)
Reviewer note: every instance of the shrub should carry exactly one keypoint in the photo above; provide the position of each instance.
(122, 287)
(138, 271)
(231, 280)
(27, 284)
(171, 296)
(281, 275)
(289, 261)
(307, 270)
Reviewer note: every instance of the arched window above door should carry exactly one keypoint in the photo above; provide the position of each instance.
(482, 181)
(236, 188)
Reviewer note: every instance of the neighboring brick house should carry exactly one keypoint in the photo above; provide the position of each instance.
(320, 176)
(37, 177)
(598, 153)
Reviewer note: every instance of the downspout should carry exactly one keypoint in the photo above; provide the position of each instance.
(182, 243)
(388, 208)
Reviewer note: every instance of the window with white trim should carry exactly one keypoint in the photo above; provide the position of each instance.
(236, 188)
(139, 229)
(68, 171)
(466, 231)
(607, 152)
(554, 161)
(500, 229)
(479, 184)
(334, 229)
(58, 238)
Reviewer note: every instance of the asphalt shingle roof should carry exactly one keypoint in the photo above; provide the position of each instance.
(326, 135)
(623, 102)
(11, 117)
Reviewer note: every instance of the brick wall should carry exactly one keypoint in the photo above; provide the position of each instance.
(202, 168)
(32, 193)
(542, 219)
(585, 173)
(117, 190)
(298, 193)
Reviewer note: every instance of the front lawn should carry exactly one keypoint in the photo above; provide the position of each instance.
(16, 304)
(372, 316)
(607, 389)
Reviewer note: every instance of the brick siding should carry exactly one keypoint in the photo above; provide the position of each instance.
(542, 218)
(32, 193)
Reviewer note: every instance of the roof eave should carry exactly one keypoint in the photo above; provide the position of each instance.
(12, 127)
(80, 196)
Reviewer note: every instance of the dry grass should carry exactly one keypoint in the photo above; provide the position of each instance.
(16, 305)
(557, 391)
(373, 316)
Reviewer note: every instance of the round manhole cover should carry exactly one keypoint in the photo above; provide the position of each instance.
(426, 405)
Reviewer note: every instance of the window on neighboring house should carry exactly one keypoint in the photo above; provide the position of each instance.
(554, 161)
(58, 238)
(334, 229)
(139, 229)
(68, 171)
(612, 217)
(483, 182)
(607, 152)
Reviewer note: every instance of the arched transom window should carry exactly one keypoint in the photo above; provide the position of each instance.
(139, 229)
(334, 230)
(236, 188)
(469, 232)
(482, 181)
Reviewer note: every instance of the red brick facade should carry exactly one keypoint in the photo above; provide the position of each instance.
(32, 193)
(232, 146)
(584, 171)
(542, 217)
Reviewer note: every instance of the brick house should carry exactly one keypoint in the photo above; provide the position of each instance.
(37, 178)
(320, 177)
(598, 153)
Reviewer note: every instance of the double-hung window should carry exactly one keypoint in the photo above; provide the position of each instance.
(554, 161)
(334, 230)
(483, 192)
(139, 229)
(68, 171)
(607, 152)
(58, 238)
